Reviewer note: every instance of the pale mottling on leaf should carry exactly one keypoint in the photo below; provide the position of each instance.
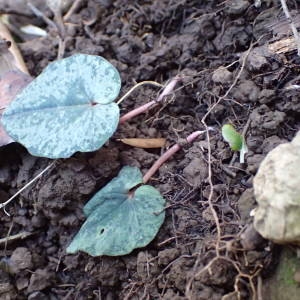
(118, 223)
(53, 116)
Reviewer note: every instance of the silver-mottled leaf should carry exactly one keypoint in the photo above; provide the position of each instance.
(67, 108)
(119, 221)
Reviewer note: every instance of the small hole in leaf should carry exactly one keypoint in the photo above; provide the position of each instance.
(102, 230)
(93, 103)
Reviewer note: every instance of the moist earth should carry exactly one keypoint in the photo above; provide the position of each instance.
(229, 76)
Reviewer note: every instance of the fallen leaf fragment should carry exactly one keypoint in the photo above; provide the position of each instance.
(11, 83)
(10, 52)
(144, 142)
(283, 45)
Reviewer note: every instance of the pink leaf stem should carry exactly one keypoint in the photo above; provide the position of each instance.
(169, 153)
(167, 90)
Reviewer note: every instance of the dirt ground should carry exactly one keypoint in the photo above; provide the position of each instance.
(231, 75)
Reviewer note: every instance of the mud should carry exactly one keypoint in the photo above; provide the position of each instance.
(155, 40)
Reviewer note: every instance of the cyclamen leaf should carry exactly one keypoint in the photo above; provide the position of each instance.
(119, 222)
(67, 108)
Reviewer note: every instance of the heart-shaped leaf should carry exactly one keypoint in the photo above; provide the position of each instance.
(120, 220)
(67, 108)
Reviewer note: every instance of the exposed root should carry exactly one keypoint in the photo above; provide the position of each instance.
(222, 250)
(18, 236)
(2, 205)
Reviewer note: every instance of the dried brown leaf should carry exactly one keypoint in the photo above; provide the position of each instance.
(145, 142)
(11, 83)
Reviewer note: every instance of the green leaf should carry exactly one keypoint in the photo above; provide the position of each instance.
(236, 141)
(67, 108)
(232, 137)
(119, 220)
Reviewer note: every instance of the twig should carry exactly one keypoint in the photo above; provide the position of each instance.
(4, 33)
(167, 90)
(136, 86)
(10, 11)
(169, 154)
(8, 234)
(211, 191)
(41, 15)
(232, 85)
(259, 288)
(292, 25)
(56, 9)
(72, 10)
(59, 27)
(2, 205)
(61, 48)
(213, 211)
(21, 235)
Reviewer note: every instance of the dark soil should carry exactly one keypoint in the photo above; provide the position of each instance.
(209, 42)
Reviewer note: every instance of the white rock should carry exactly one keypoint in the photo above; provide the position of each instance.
(277, 191)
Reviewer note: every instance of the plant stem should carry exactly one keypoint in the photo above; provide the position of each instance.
(136, 86)
(167, 90)
(169, 154)
(72, 10)
(14, 50)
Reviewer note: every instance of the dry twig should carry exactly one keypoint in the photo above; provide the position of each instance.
(292, 25)
(2, 205)
(136, 86)
(58, 26)
(21, 235)
(72, 9)
(5, 34)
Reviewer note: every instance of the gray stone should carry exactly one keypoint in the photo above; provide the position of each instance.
(277, 191)
(237, 7)
(222, 75)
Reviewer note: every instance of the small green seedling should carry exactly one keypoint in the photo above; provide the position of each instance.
(236, 141)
